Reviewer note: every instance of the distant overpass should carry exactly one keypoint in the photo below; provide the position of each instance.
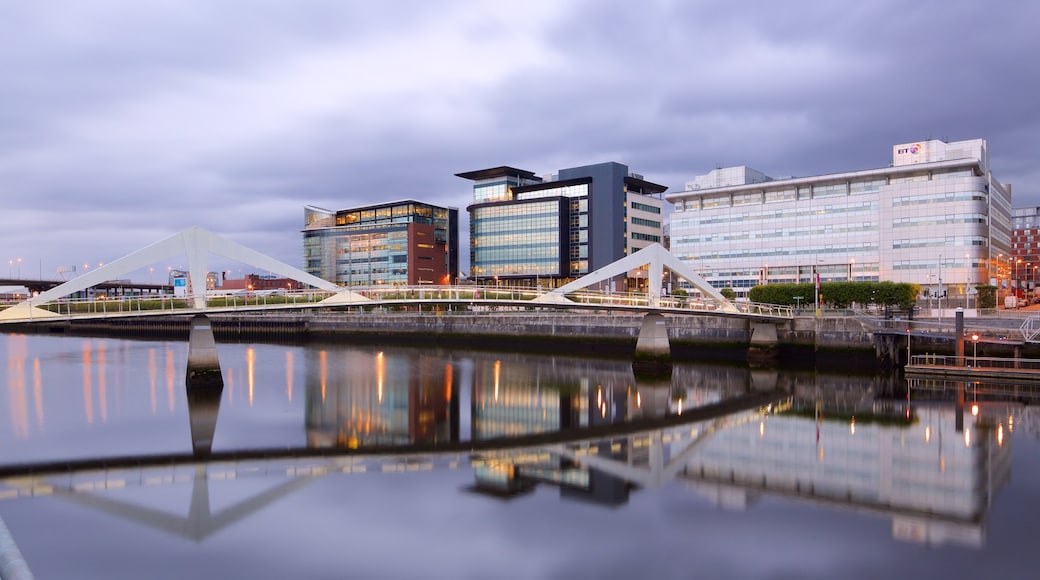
(117, 287)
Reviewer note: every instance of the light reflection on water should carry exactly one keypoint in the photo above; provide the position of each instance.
(818, 470)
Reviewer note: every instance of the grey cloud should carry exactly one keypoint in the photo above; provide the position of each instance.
(126, 122)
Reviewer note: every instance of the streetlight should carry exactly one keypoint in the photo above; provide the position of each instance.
(1017, 282)
(974, 349)
(19, 268)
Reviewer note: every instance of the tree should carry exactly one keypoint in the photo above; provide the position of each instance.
(987, 296)
(728, 293)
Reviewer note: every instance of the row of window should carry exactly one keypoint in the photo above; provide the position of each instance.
(792, 213)
(644, 222)
(806, 192)
(645, 237)
(579, 190)
(645, 207)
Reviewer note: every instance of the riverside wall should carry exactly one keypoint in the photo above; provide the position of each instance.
(593, 334)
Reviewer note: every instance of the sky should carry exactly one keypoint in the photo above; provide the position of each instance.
(123, 122)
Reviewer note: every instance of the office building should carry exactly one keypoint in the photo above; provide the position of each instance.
(403, 243)
(936, 217)
(527, 230)
(1024, 266)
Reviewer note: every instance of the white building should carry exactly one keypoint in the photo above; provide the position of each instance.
(936, 217)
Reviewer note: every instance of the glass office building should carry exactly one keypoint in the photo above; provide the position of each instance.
(529, 230)
(936, 217)
(404, 243)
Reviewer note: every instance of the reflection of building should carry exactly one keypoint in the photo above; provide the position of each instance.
(531, 230)
(936, 483)
(935, 217)
(357, 399)
(514, 400)
(404, 242)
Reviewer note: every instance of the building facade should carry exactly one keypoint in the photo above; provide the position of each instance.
(935, 217)
(403, 243)
(1024, 265)
(528, 230)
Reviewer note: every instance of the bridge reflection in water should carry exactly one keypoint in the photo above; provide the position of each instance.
(728, 434)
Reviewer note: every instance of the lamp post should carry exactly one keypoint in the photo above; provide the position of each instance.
(974, 349)
(1017, 281)
(939, 299)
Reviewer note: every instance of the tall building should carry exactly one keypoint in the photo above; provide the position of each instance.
(936, 217)
(529, 230)
(1024, 266)
(403, 242)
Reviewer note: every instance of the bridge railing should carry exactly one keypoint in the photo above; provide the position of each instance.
(978, 362)
(93, 306)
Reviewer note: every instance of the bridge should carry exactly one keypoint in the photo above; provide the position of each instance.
(196, 244)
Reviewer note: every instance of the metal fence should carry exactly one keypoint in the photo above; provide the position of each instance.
(977, 362)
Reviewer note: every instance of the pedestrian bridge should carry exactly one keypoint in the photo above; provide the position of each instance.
(196, 244)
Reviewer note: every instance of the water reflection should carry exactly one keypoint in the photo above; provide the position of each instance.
(867, 445)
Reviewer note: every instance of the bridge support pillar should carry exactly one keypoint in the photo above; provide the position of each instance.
(653, 355)
(763, 349)
(204, 384)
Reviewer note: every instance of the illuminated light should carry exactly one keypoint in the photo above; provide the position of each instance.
(852, 426)
(250, 372)
(967, 437)
(603, 409)
(448, 380)
(152, 373)
(1011, 423)
(38, 392)
(498, 375)
(171, 399)
(974, 410)
(821, 454)
(761, 429)
(639, 400)
(680, 406)
(927, 433)
(88, 397)
(942, 464)
(288, 374)
(1000, 435)
(323, 372)
(380, 375)
(102, 384)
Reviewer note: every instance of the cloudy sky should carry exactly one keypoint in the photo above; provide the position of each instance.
(126, 121)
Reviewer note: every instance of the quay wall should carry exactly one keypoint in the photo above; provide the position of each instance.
(592, 334)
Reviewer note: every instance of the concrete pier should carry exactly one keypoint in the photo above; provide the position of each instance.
(204, 384)
(203, 363)
(653, 354)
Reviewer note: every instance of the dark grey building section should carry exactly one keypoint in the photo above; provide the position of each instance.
(606, 210)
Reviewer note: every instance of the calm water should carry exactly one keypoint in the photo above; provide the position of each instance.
(842, 477)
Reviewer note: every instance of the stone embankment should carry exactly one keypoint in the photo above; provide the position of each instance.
(593, 334)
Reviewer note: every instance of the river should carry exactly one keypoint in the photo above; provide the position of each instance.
(337, 461)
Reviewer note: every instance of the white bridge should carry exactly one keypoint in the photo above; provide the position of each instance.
(196, 244)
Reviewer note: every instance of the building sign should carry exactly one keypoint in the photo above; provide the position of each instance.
(910, 153)
(180, 287)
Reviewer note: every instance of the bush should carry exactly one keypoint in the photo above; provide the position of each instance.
(838, 294)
